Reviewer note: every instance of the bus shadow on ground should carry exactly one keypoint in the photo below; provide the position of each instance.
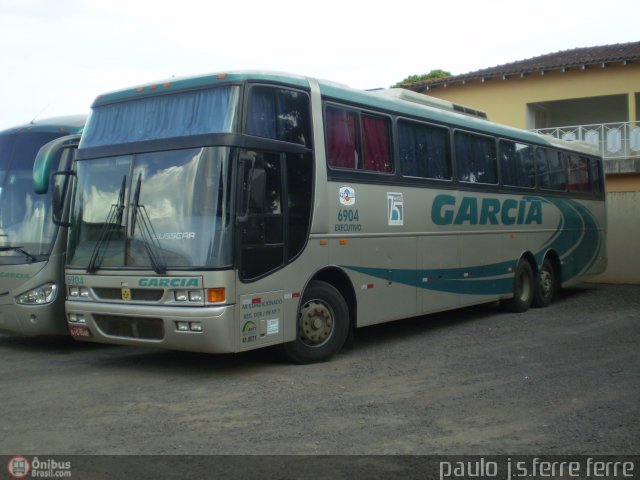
(180, 362)
(375, 335)
(62, 344)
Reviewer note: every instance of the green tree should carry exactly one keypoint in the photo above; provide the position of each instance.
(425, 76)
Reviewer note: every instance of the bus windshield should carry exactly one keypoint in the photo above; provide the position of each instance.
(26, 229)
(154, 210)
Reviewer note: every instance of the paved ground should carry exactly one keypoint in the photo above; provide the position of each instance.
(565, 379)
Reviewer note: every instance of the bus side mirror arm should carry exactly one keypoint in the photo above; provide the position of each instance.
(58, 197)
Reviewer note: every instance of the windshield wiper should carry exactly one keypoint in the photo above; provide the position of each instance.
(149, 238)
(110, 226)
(30, 256)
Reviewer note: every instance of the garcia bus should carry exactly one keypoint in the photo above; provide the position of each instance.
(32, 247)
(228, 212)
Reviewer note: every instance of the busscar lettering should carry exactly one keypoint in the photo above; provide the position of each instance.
(176, 236)
(447, 210)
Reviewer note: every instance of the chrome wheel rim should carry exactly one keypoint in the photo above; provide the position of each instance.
(546, 283)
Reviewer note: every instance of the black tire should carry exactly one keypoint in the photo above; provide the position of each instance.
(523, 288)
(322, 325)
(546, 285)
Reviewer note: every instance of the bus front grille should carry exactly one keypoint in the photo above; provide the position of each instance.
(130, 327)
(137, 294)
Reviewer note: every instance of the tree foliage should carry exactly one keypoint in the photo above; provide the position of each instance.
(425, 76)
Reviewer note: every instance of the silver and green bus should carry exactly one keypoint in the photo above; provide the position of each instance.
(32, 247)
(228, 212)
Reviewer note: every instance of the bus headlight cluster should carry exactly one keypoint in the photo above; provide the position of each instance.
(78, 292)
(195, 296)
(77, 318)
(38, 296)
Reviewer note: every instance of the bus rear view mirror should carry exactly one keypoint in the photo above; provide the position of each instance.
(48, 158)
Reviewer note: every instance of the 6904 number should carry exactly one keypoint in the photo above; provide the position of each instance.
(346, 215)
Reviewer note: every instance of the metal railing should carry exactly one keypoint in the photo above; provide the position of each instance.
(614, 140)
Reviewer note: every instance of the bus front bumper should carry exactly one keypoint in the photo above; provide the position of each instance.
(31, 320)
(197, 329)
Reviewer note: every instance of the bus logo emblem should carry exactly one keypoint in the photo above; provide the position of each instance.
(395, 202)
(347, 196)
(126, 294)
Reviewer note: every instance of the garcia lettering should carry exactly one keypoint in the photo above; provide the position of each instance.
(485, 211)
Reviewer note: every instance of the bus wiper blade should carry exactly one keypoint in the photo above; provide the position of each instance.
(30, 256)
(111, 224)
(149, 238)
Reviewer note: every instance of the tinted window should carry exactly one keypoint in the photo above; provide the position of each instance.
(358, 140)
(578, 174)
(375, 144)
(476, 158)
(280, 114)
(424, 151)
(596, 177)
(551, 170)
(516, 164)
(342, 137)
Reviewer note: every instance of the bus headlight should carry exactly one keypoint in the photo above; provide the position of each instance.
(38, 296)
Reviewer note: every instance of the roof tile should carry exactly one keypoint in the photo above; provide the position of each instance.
(576, 57)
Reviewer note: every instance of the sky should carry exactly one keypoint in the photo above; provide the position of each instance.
(56, 56)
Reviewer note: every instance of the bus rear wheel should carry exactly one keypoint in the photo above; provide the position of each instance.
(546, 289)
(523, 289)
(322, 327)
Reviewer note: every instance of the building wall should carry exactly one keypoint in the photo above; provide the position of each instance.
(622, 241)
(505, 101)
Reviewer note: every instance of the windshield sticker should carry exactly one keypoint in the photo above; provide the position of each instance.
(347, 196)
(395, 202)
(273, 326)
(176, 236)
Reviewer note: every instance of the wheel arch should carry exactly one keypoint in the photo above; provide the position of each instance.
(554, 258)
(529, 257)
(338, 278)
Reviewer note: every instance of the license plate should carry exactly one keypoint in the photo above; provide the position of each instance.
(77, 331)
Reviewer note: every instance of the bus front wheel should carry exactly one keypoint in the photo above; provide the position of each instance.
(523, 288)
(322, 327)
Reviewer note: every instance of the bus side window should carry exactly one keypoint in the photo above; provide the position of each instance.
(476, 158)
(578, 174)
(280, 114)
(424, 151)
(342, 137)
(550, 166)
(376, 149)
(516, 164)
(596, 177)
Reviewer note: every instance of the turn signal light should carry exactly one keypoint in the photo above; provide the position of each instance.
(215, 295)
